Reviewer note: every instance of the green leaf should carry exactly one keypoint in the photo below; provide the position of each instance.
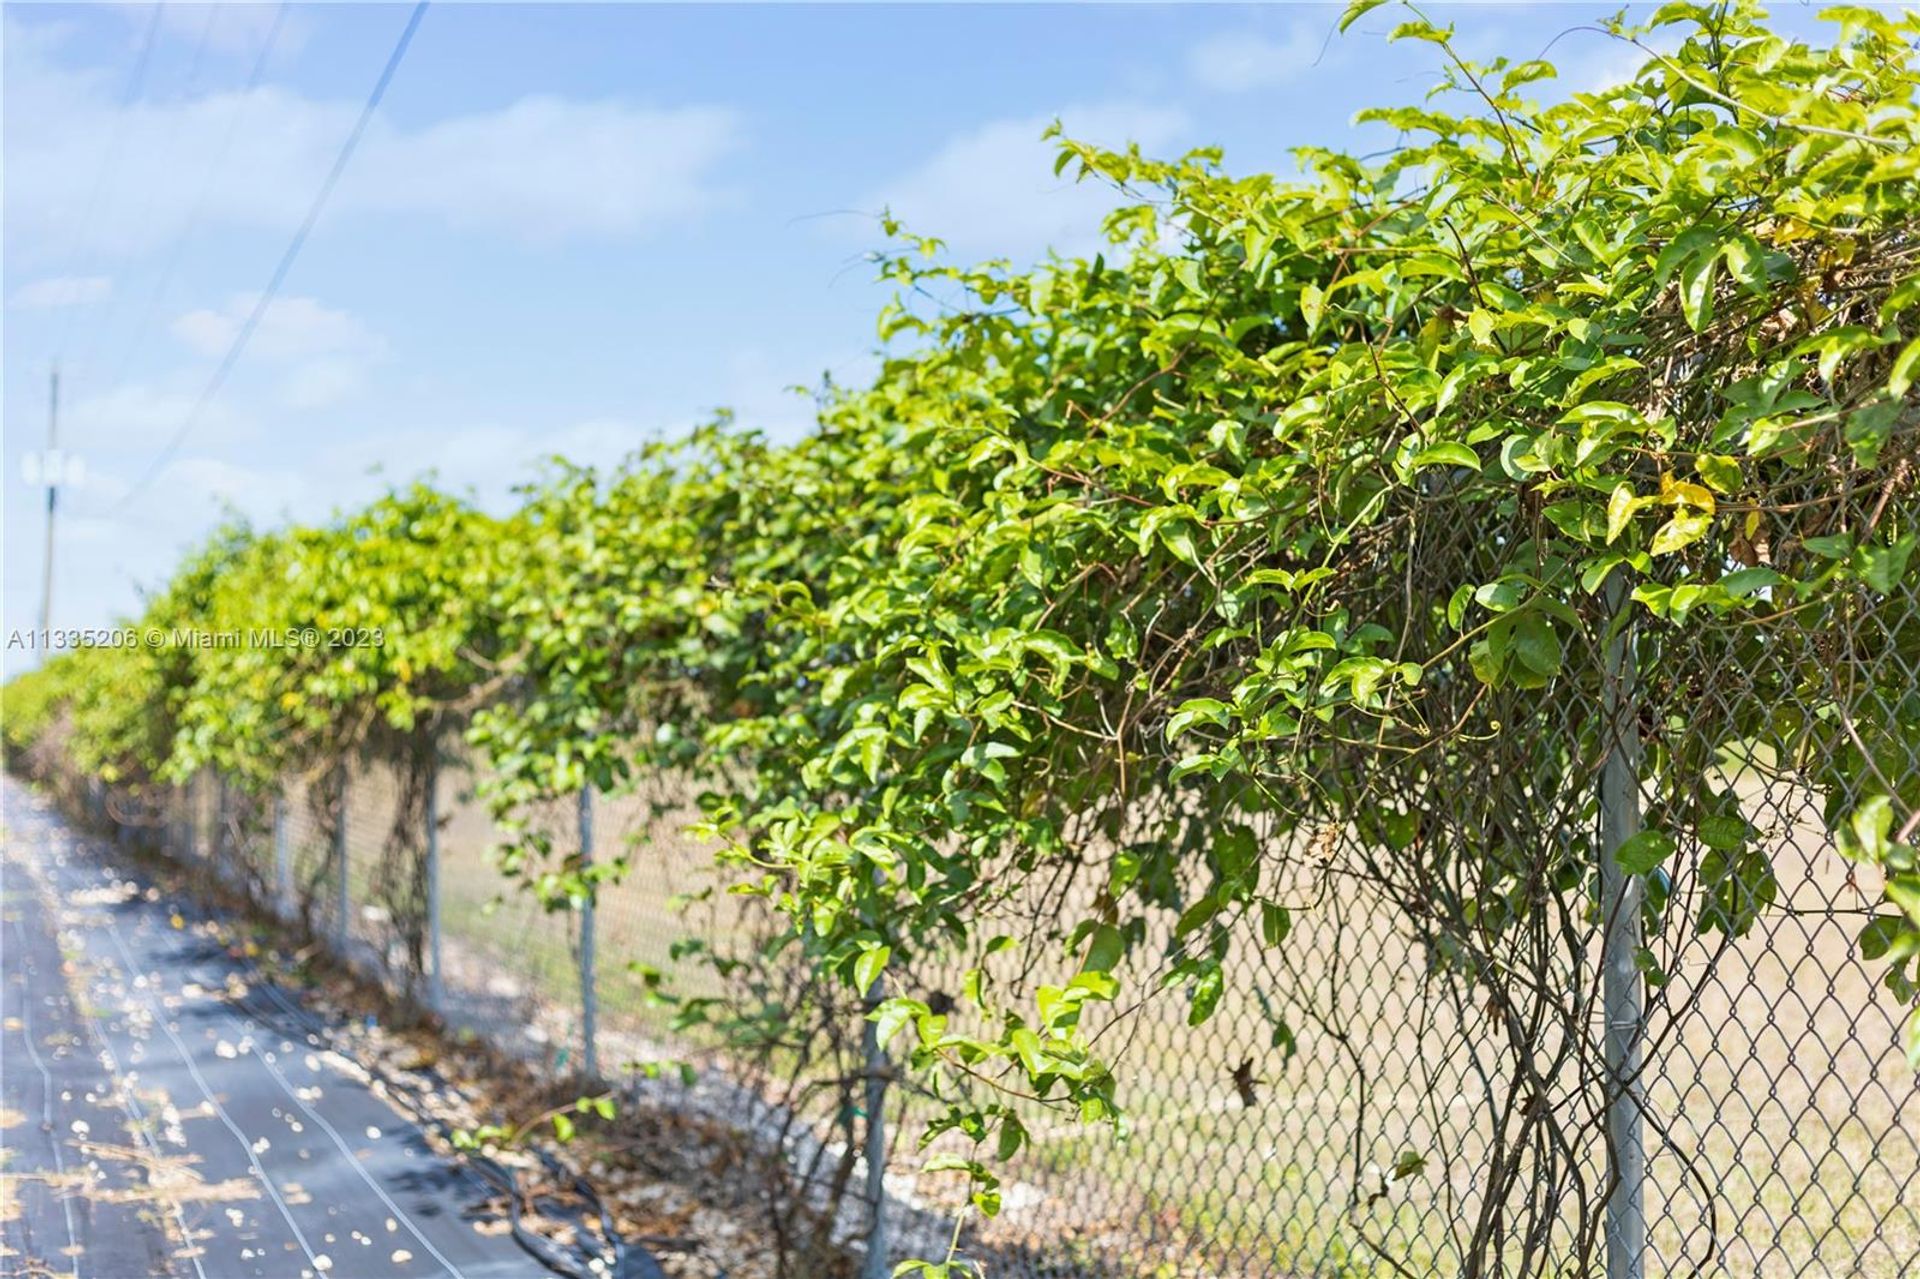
(1595, 572)
(1746, 581)
(1457, 605)
(1206, 994)
(1832, 546)
(1723, 832)
(1696, 290)
(1026, 1046)
(1746, 262)
(1904, 892)
(1421, 29)
(1644, 851)
(1199, 710)
(1105, 949)
(1013, 1135)
(1357, 9)
(1684, 247)
(1449, 454)
(1236, 850)
(1276, 921)
(1177, 536)
(1720, 473)
(1882, 934)
(892, 1015)
(867, 968)
(1536, 645)
(873, 752)
(1196, 915)
(1900, 378)
(1871, 824)
(1882, 567)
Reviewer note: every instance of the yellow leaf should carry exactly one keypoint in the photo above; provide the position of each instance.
(1685, 493)
(1620, 509)
(1683, 529)
(1312, 305)
(1695, 495)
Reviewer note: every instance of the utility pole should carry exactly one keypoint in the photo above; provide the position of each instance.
(53, 490)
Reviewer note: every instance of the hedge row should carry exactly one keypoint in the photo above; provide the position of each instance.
(1305, 510)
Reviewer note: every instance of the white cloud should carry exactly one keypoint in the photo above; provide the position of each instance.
(108, 550)
(541, 168)
(132, 422)
(326, 353)
(551, 168)
(202, 482)
(991, 192)
(142, 542)
(1235, 62)
(228, 29)
(60, 290)
(317, 384)
(293, 327)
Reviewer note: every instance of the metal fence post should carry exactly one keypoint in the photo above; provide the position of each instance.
(343, 900)
(874, 1264)
(589, 996)
(1620, 895)
(282, 857)
(435, 988)
(190, 828)
(217, 846)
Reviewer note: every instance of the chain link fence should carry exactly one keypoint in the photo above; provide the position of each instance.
(1357, 1105)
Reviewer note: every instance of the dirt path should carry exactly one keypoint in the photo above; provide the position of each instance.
(160, 1114)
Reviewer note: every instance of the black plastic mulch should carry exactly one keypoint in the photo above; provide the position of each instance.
(163, 1116)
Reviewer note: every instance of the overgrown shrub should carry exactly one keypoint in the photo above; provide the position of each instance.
(1310, 524)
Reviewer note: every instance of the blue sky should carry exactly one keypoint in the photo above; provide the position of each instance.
(570, 226)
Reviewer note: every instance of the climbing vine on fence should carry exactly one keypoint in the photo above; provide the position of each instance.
(1304, 514)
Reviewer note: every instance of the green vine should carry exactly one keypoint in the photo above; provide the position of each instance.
(1290, 531)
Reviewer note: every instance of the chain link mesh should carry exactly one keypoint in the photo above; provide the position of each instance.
(1340, 1112)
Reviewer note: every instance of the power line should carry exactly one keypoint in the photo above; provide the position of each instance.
(83, 225)
(265, 301)
(104, 322)
(51, 465)
(165, 278)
